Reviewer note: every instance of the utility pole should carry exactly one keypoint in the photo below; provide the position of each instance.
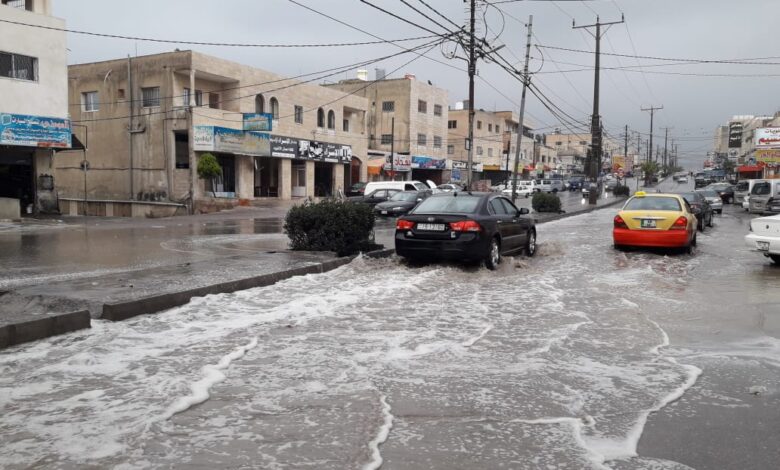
(595, 123)
(666, 146)
(392, 149)
(526, 80)
(625, 147)
(652, 114)
(472, 71)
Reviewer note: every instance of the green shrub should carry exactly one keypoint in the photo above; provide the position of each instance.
(208, 167)
(546, 202)
(621, 190)
(330, 225)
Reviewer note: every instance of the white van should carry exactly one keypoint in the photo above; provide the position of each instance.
(550, 186)
(765, 197)
(399, 185)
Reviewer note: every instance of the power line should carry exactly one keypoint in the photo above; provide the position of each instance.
(747, 61)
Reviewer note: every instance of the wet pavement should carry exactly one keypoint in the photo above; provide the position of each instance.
(582, 357)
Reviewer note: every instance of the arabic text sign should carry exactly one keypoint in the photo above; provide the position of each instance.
(34, 131)
(221, 139)
(767, 138)
(428, 163)
(262, 122)
(768, 156)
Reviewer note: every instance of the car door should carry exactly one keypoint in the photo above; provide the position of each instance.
(519, 225)
(380, 195)
(503, 222)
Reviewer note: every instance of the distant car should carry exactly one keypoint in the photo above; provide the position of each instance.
(396, 185)
(682, 179)
(465, 226)
(701, 209)
(713, 198)
(401, 203)
(356, 189)
(450, 187)
(575, 182)
(611, 184)
(379, 195)
(550, 186)
(701, 182)
(764, 237)
(524, 188)
(655, 220)
(724, 190)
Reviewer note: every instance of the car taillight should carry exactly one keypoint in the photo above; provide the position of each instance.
(619, 222)
(680, 224)
(404, 224)
(465, 226)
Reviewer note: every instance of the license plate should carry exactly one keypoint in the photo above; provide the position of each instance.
(648, 223)
(431, 227)
(384, 212)
(762, 246)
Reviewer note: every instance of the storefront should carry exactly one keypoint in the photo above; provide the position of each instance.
(318, 169)
(458, 173)
(26, 142)
(426, 168)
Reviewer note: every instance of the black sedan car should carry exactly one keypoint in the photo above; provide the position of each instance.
(380, 195)
(465, 226)
(401, 203)
(724, 190)
(701, 208)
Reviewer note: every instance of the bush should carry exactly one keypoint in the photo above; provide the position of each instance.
(208, 167)
(330, 226)
(621, 190)
(546, 202)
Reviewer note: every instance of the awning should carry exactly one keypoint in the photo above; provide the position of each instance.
(749, 169)
(374, 170)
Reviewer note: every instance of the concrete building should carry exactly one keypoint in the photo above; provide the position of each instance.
(573, 149)
(151, 118)
(419, 132)
(34, 105)
(528, 146)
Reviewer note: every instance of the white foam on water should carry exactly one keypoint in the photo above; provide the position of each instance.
(212, 375)
(470, 342)
(381, 436)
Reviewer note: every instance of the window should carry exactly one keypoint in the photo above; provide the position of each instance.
(387, 139)
(182, 149)
(490, 151)
(18, 66)
(437, 110)
(479, 124)
(388, 106)
(331, 120)
(120, 93)
(198, 97)
(89, 101)
(559, 143)
(298, 114)
(497, 208)
(345, 126)
(150, 97)
(21, 4)
(452, 124)
(422, 139)
(436, 142)
(450, 149)
(422, 106)
(497, 129)
(479, 150)
(583, 142)
(320, 117)
(275, 108)
(214, 100)
(490, 127)
(259, 104)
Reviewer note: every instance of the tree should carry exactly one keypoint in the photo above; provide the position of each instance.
(209, 169)
(649, 169)
(728, 167)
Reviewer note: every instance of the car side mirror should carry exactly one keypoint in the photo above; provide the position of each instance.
(523, 211)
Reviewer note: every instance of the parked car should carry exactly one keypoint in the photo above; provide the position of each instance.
(357, 189)
(713, 198)
(746, 203)
(765, 197)
(397, 185)
(724, 190)
(682, 179)
(450, 187)
(524, 188)
(701, 209)
(655, 220)
(401, 203)
(764, 237)
(460, 226)
(550, 186)
(701, 182)
(375, 197)
(742, 189)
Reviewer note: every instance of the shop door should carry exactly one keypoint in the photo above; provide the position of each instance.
(16, 176)
(228, 180)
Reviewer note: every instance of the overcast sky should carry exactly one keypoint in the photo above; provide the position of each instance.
(687, 29)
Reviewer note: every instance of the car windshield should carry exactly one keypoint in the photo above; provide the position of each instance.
(653, 203)
(709, 193)
(404, 196)
(690, 197)
(461, 204)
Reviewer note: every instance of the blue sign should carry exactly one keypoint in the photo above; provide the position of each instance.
(34, 131)
(428, 163)
(261, 122)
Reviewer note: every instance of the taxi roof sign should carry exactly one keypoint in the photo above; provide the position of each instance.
(640, 194)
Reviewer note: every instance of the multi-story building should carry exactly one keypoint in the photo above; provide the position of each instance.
(408, 117)
(488, 146)
(151, 118)
(573, 149)
(528, 144)
(34, 104)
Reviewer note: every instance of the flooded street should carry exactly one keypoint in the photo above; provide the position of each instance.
(581, 357)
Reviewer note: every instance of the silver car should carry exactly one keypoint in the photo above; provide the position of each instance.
(713, 198)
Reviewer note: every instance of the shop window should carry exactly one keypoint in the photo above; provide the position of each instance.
(331, 120)
(437, 110)
(182, 149)
(437, 142)
(422, 106)
(320, 118)
(89, 101)
(18, 66)
(298, 114)
(150, 97)
(452, 124)
(259, 104)
(422, 139)
(387, 139)
(275, 108)
(388, 106)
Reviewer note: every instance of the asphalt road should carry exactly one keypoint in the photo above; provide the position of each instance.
(582, 357)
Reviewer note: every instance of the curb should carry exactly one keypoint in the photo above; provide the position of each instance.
(44, 327)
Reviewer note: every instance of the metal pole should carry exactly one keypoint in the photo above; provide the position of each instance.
(130, 125)
(392, 149)
(526, 80)
(472, 71)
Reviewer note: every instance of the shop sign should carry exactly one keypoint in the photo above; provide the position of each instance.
(222, 139)
(491, 167)
(228, 140)
(428, 163)
(261, 122)
(284, 147)
(767, 156)
(400, 163)
(256, 143)
(767, 138)
(203, 138)
(735, 135)
(463, 165)
(455, 175)
(34, 131)
(324, 151)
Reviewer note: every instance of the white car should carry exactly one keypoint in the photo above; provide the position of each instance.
(524, 188)
(682, 179)
(764, 237)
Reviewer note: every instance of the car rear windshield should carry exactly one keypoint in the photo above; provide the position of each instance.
(448, 205)
(653, 203)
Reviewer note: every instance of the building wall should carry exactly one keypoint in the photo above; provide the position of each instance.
(488, 141)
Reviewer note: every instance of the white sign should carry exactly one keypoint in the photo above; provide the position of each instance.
(767, 138)
(203, 138)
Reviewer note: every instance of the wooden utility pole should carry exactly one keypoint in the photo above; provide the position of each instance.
(526, 80)
(652, 111)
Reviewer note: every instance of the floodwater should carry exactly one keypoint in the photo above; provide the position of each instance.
(558, 361)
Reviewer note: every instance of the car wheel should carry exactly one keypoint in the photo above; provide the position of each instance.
(775, 259)
(493, 258)
(530, 245)
(720, 211)
(555, 190)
